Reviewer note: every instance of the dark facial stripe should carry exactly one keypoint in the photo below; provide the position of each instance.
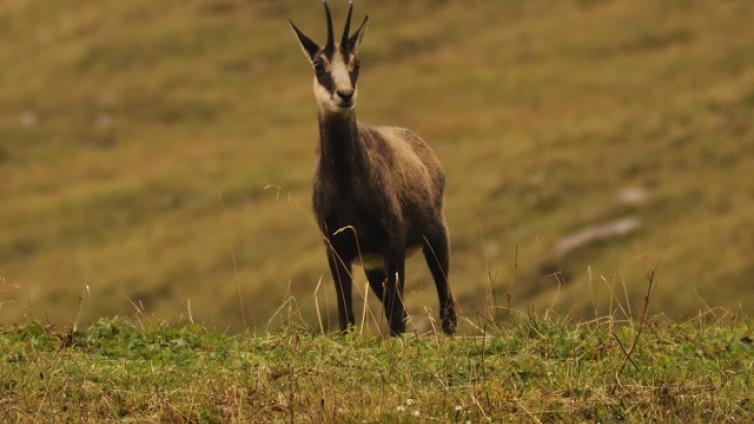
(345, 51)
(355, 72)
(325, 80)
(323, 77)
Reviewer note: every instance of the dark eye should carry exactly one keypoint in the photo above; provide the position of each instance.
(356, 64)
(319, 68)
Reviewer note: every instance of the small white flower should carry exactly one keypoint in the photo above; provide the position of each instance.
(401, 408)
(410, 402)
(415, 413)
(459, 408)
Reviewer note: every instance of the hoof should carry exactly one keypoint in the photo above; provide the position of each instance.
(449, 320)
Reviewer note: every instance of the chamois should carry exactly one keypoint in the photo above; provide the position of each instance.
(377, 192)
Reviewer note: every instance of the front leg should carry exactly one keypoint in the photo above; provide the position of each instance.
(340, 268)
(395, 310)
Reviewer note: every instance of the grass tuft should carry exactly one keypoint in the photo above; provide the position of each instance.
(530, 369)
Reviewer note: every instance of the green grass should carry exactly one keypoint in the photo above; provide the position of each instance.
(530, 369)
(121, 122)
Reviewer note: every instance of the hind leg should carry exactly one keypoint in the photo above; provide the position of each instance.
(377, 278)
(437, 254)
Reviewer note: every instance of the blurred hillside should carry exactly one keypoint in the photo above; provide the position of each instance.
(124, 124)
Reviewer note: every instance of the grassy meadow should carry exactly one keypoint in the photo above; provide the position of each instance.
(534, 370)
(156, 157)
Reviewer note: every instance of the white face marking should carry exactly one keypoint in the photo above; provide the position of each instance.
(341, 78)
(339, 72)
(324, 99)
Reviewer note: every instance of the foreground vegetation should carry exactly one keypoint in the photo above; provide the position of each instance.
(530, 369)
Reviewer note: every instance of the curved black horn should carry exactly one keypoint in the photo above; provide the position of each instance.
(347, 29)
(330, 37)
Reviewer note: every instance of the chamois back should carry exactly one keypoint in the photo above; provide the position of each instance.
(412, 169)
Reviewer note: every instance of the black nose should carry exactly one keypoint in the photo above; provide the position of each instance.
(345, 94)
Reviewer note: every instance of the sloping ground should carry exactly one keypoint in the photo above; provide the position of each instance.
(531, 370)
(123, 124)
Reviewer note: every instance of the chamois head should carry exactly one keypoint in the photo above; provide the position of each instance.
(336, 67)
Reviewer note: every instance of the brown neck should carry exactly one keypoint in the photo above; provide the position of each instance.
(342, 153)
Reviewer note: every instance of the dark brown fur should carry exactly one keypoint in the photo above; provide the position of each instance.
(379, 192)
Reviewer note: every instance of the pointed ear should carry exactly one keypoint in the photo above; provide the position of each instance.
(307, 44)
(355, 40)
